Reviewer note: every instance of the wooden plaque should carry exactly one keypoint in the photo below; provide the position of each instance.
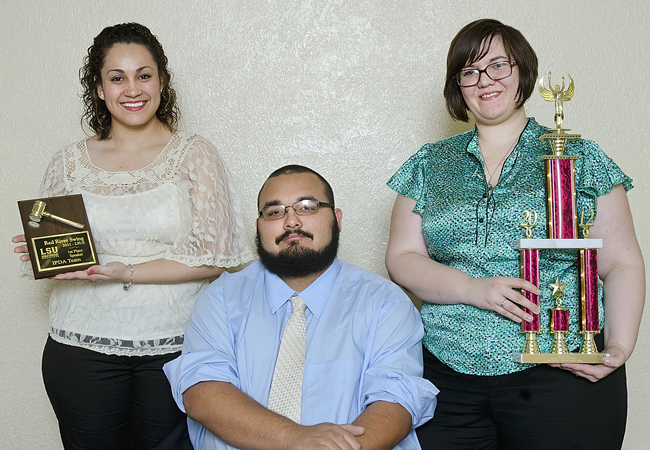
(57, 246)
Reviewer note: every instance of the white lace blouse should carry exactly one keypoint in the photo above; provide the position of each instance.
(181, 207)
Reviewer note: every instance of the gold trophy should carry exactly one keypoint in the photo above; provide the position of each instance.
(562, 234)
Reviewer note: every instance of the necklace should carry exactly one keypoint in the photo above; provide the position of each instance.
(488, 181)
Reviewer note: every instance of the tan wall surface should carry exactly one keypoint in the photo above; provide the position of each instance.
(350, 88)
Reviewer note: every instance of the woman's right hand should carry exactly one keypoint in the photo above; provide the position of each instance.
(501, 294)
(20, 239)
(410, 265)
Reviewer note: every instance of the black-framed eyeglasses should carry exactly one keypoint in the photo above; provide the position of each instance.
(302, 208)
(495, 71)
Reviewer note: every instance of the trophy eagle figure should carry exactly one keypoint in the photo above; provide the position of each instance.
(556, 94)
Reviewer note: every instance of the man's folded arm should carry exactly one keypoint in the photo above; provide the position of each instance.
(396, 396)
(385, 424)
(241, 422)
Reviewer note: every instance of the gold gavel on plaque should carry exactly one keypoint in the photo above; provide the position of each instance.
(38, 212)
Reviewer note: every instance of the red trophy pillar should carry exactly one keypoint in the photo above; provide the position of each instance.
(530, 272)
(589, 323)
(559, 319)
(561, 197)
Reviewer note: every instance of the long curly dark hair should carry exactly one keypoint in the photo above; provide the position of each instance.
(96, 114)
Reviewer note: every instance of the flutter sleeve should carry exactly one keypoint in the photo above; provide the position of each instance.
(410, 181)
(217, 237)
(596, 173)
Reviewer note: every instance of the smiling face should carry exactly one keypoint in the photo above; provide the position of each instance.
(130, 85)
(297, 246)
(493, 102)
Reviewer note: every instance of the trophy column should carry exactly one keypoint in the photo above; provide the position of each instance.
(530, 272)
(559, 320)
(589, 320)
(560, 196)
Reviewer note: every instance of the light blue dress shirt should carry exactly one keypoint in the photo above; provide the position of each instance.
(363, 345)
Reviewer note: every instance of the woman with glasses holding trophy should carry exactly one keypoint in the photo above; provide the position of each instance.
(164, 221)
(458, 211)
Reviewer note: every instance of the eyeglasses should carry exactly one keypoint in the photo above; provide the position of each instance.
(495, 71)
(302, 208)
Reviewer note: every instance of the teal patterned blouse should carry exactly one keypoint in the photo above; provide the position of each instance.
(472, 232)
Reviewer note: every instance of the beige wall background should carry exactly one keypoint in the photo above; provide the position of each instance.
(348, 87)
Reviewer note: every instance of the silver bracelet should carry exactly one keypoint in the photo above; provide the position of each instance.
(126, 286)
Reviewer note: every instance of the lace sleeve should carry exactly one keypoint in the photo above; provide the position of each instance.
(218, 237)
(54, 181)
(53, 185)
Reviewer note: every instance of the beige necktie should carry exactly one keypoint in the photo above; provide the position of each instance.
(285, 397)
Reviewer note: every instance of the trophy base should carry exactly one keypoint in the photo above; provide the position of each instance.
(588, 343)
(531, 347)
(554, 358)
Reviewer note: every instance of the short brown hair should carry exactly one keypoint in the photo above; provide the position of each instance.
(472, 43)
(96, 113)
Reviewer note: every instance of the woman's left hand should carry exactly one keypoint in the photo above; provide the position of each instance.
(113, 271)
(596, 372)
(621, 268)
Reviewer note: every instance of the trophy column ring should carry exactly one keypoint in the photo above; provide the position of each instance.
(38, 212)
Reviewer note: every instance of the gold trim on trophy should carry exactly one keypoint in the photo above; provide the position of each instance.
(584, 226)
(529, 222)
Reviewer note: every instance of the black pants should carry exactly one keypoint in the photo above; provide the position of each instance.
(106, 401)
(538, 408)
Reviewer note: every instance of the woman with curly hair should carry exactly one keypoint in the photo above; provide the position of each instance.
(164, 219)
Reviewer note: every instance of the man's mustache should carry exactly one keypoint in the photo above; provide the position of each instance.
(288, 233)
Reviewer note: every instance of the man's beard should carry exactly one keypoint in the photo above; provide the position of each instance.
(295, 261)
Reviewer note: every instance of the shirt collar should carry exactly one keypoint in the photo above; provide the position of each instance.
(315, 296)
(529, 133)
(472, 144)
